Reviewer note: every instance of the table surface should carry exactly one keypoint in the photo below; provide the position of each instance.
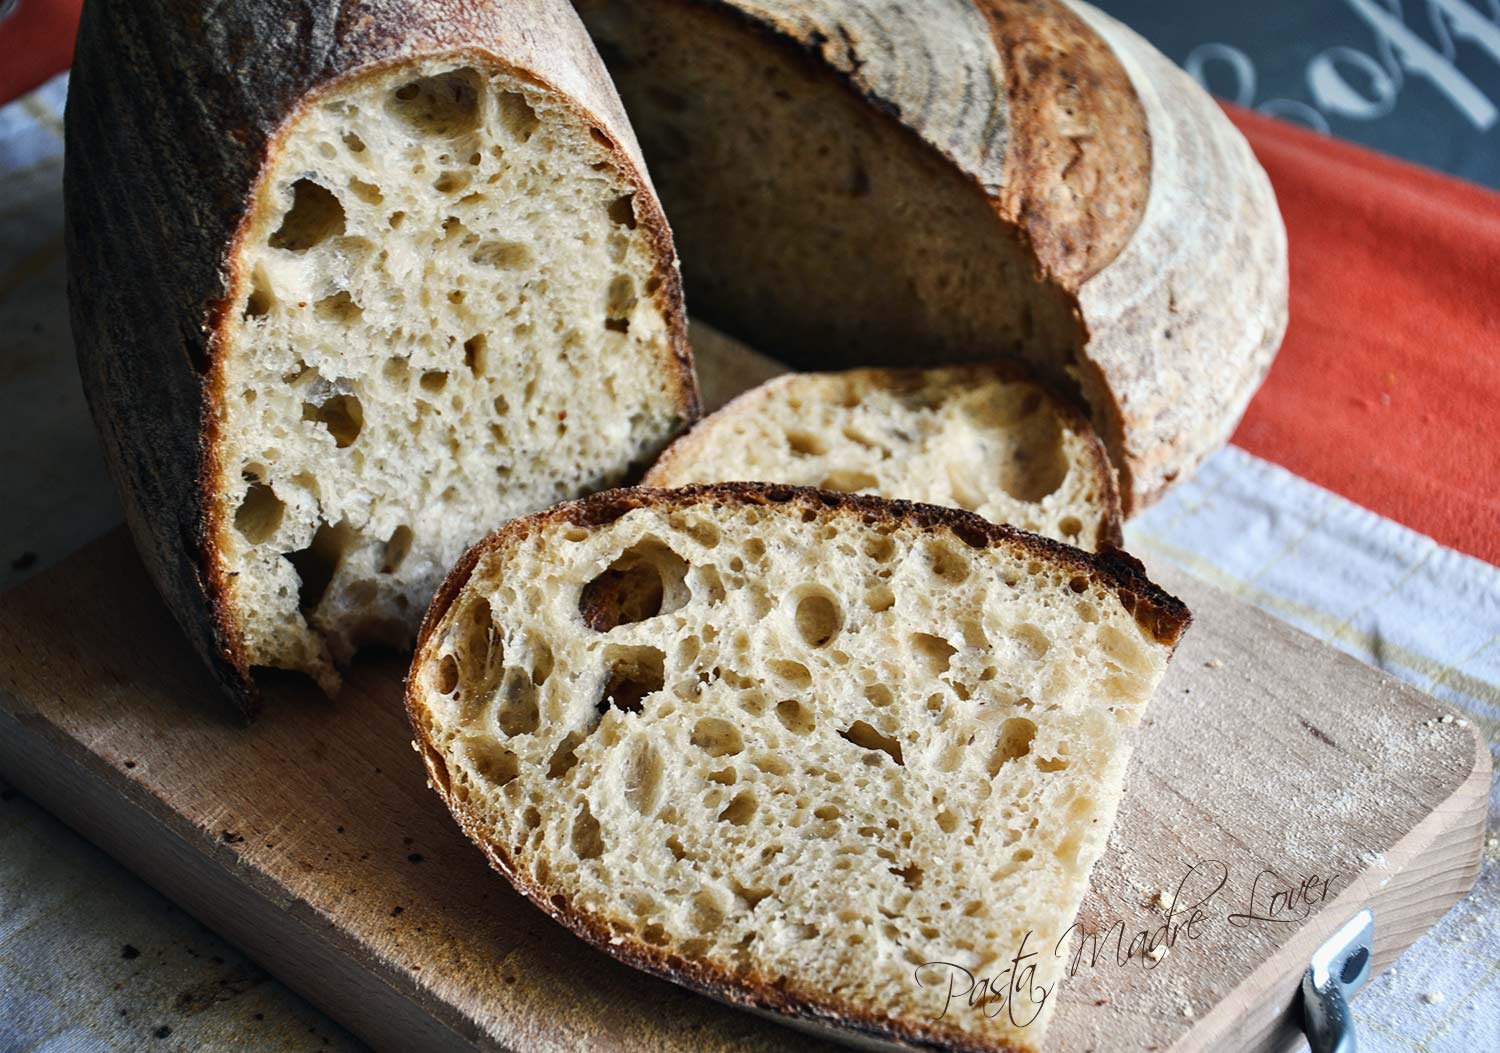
(90, 958)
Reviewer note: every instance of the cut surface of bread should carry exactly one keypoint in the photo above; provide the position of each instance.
(928, 182)
(788, 746)
(987, 439)
(383, 275)
(451, 317)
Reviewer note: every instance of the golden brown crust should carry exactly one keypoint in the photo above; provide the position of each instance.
(1161, 614)
(1109, 529)
(1078, 163)
(178, 159)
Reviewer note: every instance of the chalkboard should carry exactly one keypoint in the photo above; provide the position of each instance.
(1419, 79)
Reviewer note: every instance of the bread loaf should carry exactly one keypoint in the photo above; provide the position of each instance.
(910, 182)
(352, 283)
(988, 439)
(787, 746)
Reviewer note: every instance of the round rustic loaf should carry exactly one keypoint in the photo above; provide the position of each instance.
(352, 283)
(899, 182)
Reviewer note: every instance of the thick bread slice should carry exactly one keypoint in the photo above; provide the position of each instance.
(988, 439)
(786, 746)
(356, 278)
(921, 182)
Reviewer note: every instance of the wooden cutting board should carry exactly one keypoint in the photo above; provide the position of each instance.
(311, 841)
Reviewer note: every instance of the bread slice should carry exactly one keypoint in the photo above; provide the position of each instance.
(787, 746)
(395, 274)
(925, 182)
(989, 439)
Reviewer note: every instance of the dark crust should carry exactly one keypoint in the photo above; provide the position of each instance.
(174, 113)
(1161, 614)
(1109, 528)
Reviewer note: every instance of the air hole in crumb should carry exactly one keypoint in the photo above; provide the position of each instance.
(635, 672)
(369, 193)
(451, 182)
(818, 618)
(643, 777)
(445, 105)
(911, 874)
(586, 838)
(740, 810)
(476, 354)
(947, 565)
(502, 255)
(619, 302)
(794, 716)
(1070, 527)
(880, 548)
(319, 561)
(717, 737)
(935, 652)
(806, 444)
(315, 216)
(879, 695)
(880, 598)
(1012, 743)
(794, 674)
(1032, 641)
(849, 481)
(342, 415)
(622, 211)
(491, 761)
(516, 711)
(565, 757)
(517, 116)
(260, 513)
(1052, 764)
(396, 548)
(447, 675)
(355, 144)
(866, 737)
(340, 307)
(260, 301)
(646, 580)
(434, 380)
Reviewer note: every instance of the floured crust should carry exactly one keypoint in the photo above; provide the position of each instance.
(150, 349)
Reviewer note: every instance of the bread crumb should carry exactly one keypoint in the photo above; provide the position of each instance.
(1157, 953)
(1433, 997)
(1214, 663)
(1187, 1011)
(1461, 722)
(1447, 718)
(1161, 902)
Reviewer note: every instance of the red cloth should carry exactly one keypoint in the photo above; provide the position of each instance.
(37, 42)
(1387, 389)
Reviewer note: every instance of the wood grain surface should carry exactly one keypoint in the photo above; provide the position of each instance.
(310, 840)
